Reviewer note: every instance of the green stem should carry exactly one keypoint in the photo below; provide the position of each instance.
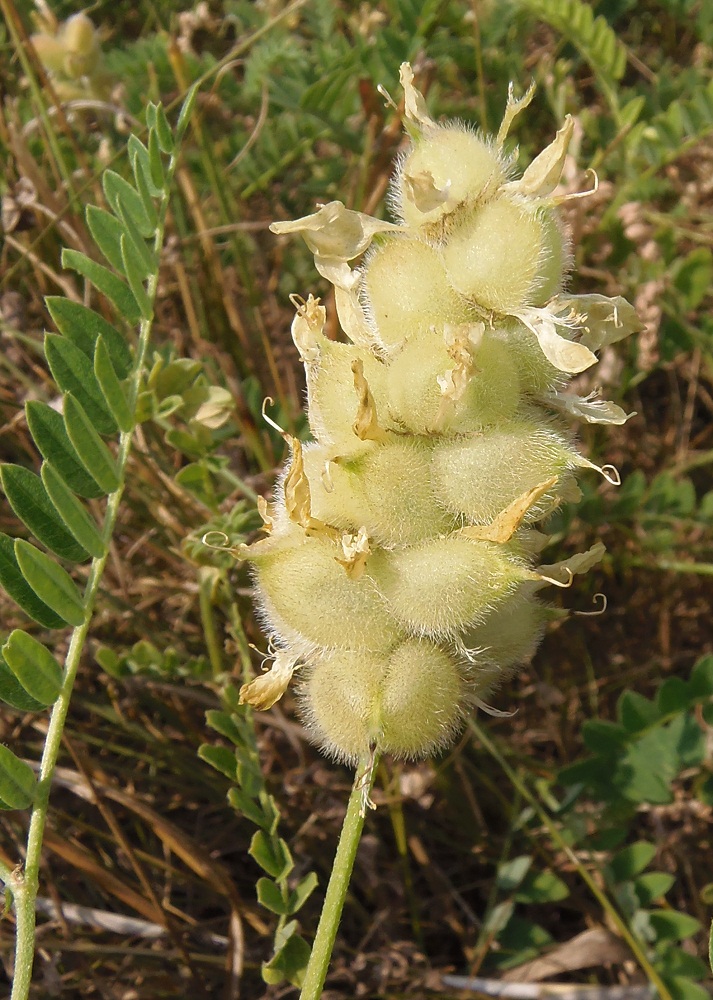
(318, 964)
(25, 884)
(206, 582)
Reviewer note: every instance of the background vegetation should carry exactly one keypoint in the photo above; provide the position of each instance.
(585, 812)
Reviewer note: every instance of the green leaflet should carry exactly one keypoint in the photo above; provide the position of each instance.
(592, 35)
(91, 450)
(126, 201)
(163, 130)
(105, 281)
(106, 232)
(143, 171)
(28, 497)
(270, 896)
(155, 162)
(17, 587)
(13, 693)
(114, 395)
(142, 254)
(73, 372)
(83, 326)
(17, 781)
(52, 584)
(33, 666)
(50, 434)
(135, 275)
(273, 856)
(75, 517)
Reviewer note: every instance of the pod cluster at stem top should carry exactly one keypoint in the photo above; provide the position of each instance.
(399, 571)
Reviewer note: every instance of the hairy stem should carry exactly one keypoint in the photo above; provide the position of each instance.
(318, 964)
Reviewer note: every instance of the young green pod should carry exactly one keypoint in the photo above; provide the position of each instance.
(451, 380)
(446, 166)
(333, 399)
(384, 488)
(407, 703)
(505, 255)
(444, 585)
(305, 594)
(480, 475)
(405, 290)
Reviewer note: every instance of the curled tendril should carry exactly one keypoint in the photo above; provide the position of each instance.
(223, 546)
(269, 401)
(576, 195)
(599, 611)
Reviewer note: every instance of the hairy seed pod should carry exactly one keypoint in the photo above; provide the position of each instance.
(503, 255)
(447, 381)
(406, 290)
(444, 585)
(306, 595)
(445, 167)
(479, 475)
(403, 701)
(400, 572)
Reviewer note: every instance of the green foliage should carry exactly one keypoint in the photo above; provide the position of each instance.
(636, 758)
(637, 761)
(145, 660)
(592, 36)
(88, 359)
(249, 795)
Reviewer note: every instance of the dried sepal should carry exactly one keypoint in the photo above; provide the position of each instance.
(513, 108)
(264, 690)
(505, 525)
(544, 173)
(366, 425)
(415, 110)
(355, 550)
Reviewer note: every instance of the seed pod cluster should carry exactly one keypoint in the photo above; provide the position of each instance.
(399, 572)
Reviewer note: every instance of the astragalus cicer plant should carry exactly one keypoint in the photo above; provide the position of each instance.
(400, 569)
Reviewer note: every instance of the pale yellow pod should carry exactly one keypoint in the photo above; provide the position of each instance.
(341, 701)
(509, 635)
(445, 167)
(406, 291)
(407, 703)
(444, 585)
(50, 51)
(333, 400)
(501, 254)
(431, 390)
(424, 698)
(305, 594)
(79, 38)
(480, 475)
(384, 488)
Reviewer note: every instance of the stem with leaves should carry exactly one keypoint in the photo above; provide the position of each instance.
(23, 884)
